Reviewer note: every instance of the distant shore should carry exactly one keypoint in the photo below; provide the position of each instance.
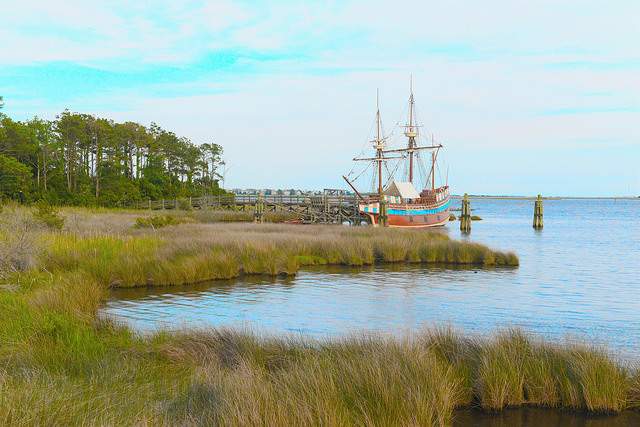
(494, 197)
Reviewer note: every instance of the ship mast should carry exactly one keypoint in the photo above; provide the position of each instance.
(411, 131)
(379, 145)
(381, 154)
(433, 168)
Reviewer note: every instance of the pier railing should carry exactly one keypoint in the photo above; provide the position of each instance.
(321, 208)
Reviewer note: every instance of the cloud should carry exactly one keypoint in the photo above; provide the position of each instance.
(274, 81)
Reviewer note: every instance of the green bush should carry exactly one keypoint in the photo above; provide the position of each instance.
(185, 205)
(48, 215)
(158, 221)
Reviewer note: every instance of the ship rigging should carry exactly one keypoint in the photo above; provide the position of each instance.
(406, 207)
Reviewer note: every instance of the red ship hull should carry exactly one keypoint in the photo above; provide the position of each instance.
(419, 213)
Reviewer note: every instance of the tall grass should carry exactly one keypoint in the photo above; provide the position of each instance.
(515, 370)
(372, 380)
(61, 364)
(19, 248)
(191, 253)
(213, 216)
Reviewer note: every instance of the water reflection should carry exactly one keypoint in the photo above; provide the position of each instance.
(535, 417)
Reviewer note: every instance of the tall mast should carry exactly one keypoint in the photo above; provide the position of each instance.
(379, 144)
(433, 167)
(411, 131)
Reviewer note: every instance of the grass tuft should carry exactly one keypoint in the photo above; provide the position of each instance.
(159, 221)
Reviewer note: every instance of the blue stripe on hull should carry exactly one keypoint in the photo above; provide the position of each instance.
(410, 212)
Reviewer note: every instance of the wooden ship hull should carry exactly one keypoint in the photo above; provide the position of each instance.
(414, 213)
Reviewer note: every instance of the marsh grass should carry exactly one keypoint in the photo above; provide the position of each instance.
(192, 252)
(159, 221)
(634, 390)
(372, 380)
(516, 370)
(213, 216)
(19, 246)
(62, 364)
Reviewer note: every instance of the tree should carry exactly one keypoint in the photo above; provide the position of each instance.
(83, 159)
(15, 178)
(45, 141)
(212, 160)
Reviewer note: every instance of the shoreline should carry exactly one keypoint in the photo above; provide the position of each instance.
(63, 365)
(494, 197)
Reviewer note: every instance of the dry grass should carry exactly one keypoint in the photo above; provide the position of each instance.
(214, 216)
(61, 365)
(516, 370)
(19, 248)
(194, 252)
(372, 380)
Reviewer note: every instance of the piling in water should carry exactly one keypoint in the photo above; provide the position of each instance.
(465, 216)
(538, 214)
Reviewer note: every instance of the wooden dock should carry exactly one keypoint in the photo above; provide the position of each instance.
(324, 208)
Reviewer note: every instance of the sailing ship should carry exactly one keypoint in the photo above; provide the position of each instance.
(398, 203)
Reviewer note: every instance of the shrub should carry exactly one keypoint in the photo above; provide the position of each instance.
(185, 205)
(48, 215)
(158, 221)
(19, 247)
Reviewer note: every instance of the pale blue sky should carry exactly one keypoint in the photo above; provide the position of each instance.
(527, 97)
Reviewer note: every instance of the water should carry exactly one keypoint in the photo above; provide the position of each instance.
(535, 417)
(579, 278)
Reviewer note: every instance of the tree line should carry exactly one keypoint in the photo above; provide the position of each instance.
(81, 159)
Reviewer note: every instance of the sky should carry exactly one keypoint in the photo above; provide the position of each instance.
(526, 97)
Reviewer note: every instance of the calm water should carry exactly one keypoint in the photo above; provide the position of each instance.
(578, 278)
(536, 417)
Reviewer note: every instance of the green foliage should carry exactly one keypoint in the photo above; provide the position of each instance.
(184, 205)
(79, 159)
(48, 215)
(15, 178)
(158, 221)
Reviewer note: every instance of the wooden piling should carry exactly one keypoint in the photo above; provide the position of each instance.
(382, 216)
(259, 212)
(538, 214)
(465, 215)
